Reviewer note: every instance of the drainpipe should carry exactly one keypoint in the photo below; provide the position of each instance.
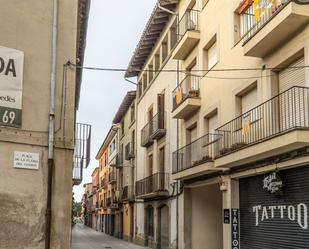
(51, 129)
(166, 10)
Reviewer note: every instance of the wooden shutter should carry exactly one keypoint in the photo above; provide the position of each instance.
(161, 111)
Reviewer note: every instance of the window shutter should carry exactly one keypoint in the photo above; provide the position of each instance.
(212, 55)
(249, 100)
(292, 76)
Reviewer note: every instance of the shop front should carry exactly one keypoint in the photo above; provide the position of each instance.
(273, 211)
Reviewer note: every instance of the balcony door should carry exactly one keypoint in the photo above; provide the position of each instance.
(293, 108)
(250, 126)
(161, 110)
(150, 117)
(191, 153)
(150, 182)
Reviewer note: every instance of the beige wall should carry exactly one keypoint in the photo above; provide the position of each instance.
(26, 26)
(206, 226)
(217, 19)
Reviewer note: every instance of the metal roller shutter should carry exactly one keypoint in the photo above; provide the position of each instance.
(212, 124)
(292, 76)
(249, 100)
(287, 229)
(293, 103)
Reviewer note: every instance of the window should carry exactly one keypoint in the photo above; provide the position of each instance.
(212, 55)
(157, 63)
(164, 49)
(150, 72)
(145, 79)
(211, 123)
(173, 35)
(162, 160)
(150, 165)
(132, 112)
(140, 89)
(133, 141)
(122, 127)
(112, 147)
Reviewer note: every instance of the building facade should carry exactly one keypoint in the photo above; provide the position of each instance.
(241, 103)
(125, 164)
(108, 193)
(37, 126)
(156, 207)
(87, 204)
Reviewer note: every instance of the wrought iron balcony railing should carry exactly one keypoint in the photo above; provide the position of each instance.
(103, 184)
(155, 129)
(196, 153)
(118, 163)
(111, 202)
(129, 151)
(127, 193)
(252, 20)
(188, 88)
(81, 157)
(287, 111)
(153, 184)
(112, 177)
(188, 22)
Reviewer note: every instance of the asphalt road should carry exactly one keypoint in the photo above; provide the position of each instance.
(84, 237)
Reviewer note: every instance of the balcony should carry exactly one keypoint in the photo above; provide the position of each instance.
(186, 98)
(111, 203)
(277, 126)
(265, 30)
(118, 162)
(112, 177)
(127, 193)
(188, 34)
(104, 184)
(196, 158)
(155, 129)
(129, 151)
(81, 157)
(103, 205)
(153, 187)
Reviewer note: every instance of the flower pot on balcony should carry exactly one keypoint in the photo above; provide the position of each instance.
(238, 145)
(193, 93)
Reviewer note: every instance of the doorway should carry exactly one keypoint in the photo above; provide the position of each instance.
(163, 227)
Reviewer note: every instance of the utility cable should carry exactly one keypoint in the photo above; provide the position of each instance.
(185, 71)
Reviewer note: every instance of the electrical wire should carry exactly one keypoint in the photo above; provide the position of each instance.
(184, 71)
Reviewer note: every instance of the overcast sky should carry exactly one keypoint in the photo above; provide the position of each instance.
(114, 29)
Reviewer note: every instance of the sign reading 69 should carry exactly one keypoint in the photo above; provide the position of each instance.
(11, 81)
(10, 117)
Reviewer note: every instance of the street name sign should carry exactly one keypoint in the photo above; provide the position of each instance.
(11, 81)
(26, 160)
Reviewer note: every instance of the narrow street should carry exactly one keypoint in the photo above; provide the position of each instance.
(86, 238)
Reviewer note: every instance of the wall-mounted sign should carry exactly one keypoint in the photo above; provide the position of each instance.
(272, 183)
(26, 160)
(235, 229)
(11, 81)
(294, 213)
(226, 216)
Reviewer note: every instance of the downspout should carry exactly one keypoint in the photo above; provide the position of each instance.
(51, 128)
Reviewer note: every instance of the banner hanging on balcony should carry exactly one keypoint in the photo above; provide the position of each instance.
(262, 7)
(11, 79)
